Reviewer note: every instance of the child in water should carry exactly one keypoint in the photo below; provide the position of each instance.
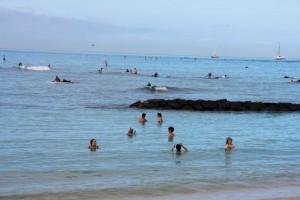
(130, 132)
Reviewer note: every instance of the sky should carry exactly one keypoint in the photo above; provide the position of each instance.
(243, 28)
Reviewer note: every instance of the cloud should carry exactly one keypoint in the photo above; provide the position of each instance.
(25, 28)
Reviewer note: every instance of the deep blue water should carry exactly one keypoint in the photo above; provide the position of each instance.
(46, 127)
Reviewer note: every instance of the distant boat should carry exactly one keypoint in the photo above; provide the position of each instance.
(279, 57)
(215, 55)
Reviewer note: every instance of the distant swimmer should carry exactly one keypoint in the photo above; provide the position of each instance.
(56, 79)
(149, 84)
(48, 65)
(106, 63)
(20, 64)
(93, 145)
(127, 70)
(209, 75)
(171, 133)
(100, 70)
(4, 58)
(155, 74)
(135, 71)
(142, 119)
(295, 81)
(229, 144)
(177, 148)
(159, 118)
(288, 77)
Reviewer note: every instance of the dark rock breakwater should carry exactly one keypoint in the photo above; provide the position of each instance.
(214, 105)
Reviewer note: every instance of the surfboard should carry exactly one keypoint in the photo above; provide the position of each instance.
(157, 88)
(35, 68)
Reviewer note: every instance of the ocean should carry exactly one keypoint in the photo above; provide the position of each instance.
(46, 128)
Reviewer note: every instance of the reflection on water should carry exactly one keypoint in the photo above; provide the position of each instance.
(228, 157)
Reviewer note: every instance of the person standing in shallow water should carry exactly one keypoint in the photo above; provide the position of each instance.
(159, 118)
(229, 144)
(177, 148)
(93, 145)
(171, 133)
(142, 119)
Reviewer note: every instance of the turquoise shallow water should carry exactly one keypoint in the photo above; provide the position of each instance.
(46, 127)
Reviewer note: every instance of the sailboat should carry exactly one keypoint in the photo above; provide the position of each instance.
(279, 57)
(215, 55)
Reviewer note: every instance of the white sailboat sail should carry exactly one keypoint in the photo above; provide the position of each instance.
(279, 57)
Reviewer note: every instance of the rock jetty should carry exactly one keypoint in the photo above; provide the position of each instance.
(214, 105)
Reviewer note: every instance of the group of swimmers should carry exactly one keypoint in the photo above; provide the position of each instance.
(130, 71)
(176, 147)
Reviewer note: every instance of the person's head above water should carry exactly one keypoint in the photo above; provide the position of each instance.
(178, 147)
(228, 140)
(229, 144)
(171, 129)
(93, 143)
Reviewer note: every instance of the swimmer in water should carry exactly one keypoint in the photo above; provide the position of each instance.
(93, 145)
(142, 119)
(56, 79)
(177, 148)
(159, 118)
(171, 133)
(229, 144)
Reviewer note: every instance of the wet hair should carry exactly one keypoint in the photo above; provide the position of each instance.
(144, 115)
(227, 139)
(171, 128)
(178, 147)
(159, 114)
(91, 142)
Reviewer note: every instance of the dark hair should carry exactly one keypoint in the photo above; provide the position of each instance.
(144, 115)
(178, 147)
(159, 114)
(171, 128)
(91, 141)
(227, 139)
